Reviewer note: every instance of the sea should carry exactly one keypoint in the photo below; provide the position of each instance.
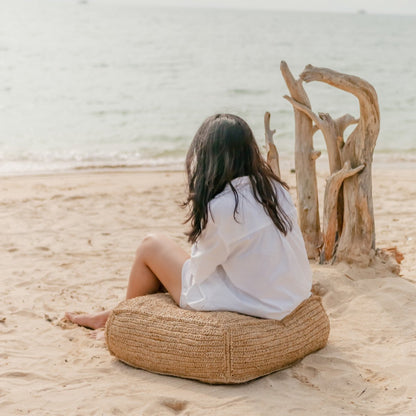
(110, 84)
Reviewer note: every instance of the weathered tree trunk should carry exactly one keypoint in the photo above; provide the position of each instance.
(331, 205)
(305, 156)
(333, 131)
(357, 241)
(272, 154)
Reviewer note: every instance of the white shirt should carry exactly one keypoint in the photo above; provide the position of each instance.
(246, 266)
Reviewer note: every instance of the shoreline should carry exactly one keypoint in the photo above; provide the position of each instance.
(399, 160)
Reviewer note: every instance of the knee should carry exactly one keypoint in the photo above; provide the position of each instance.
(149, 243)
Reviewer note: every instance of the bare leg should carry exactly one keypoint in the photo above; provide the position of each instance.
(158, 261)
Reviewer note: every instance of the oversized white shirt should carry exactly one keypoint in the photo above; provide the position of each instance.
(248, 265)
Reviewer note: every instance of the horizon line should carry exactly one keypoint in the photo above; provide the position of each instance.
(360, 12)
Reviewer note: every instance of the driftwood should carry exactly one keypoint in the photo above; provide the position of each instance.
(331, 203)
(357, 240)
(272, 154)
(305, 156)
(348, 219)
(333, 132)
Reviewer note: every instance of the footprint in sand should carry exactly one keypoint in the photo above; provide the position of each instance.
(176, 405)
(166, 406)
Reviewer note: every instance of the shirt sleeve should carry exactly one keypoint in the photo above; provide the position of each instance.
(209, 251)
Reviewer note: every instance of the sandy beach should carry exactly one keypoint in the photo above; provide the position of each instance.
(67, 243)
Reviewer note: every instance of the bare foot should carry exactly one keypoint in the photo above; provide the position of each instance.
(93, 321)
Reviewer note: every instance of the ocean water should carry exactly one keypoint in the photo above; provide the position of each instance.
(108, 83)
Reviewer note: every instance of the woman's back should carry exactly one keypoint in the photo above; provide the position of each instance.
(242, 262)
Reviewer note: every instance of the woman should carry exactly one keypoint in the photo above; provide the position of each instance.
(248, 253)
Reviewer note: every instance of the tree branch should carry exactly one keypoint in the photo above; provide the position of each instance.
(272, 154)
(268, 133)
(350, 83)
(305, 110)
(315, 154)
(345, 121)
(332, 188)
(306, 188)
(295, 87)
(364, 91)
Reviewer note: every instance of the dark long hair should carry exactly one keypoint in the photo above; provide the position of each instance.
(223, 149)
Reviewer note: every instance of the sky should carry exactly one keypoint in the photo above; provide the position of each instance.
(403, 7)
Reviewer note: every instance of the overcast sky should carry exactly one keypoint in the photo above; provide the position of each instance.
(404, 7)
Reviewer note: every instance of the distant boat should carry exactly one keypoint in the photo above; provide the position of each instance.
(361, 11)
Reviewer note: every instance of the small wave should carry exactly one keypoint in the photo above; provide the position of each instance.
(159, 165)
(245, 91)
(49, 163)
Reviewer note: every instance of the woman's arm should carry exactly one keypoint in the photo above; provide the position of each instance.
(208, 252)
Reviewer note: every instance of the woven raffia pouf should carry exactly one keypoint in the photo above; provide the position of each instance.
(153, 333)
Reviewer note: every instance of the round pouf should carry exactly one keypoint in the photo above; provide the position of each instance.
(153, 333)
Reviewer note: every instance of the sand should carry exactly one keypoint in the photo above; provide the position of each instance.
(67, 242)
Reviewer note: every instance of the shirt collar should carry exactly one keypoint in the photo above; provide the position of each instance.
(240, 181)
